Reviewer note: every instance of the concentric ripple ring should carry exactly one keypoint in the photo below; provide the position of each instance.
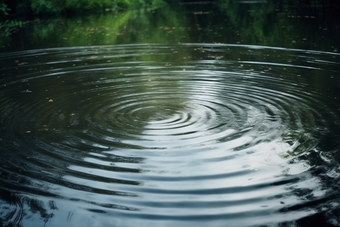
(205, 134)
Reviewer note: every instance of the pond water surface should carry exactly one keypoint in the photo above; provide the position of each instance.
(191, 115)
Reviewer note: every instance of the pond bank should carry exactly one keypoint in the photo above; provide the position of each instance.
(15, 15)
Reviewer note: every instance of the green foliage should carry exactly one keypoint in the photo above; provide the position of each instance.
(43, 7)
(3, 9)
(137, 3)
(48, 7)
(8, 27)
(27, 8)
(87, 4)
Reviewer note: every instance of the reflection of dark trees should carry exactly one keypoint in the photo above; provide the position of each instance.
(282, 23)
(325, 207)
(327, 8)
(326, 4)
(14, 208)
(327, 174)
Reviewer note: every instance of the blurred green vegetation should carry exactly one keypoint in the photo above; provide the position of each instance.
(42, 8)
(279, 23)
(19, 9)
(14, 14)
(132, 26)
(227, 21)
(3, 9)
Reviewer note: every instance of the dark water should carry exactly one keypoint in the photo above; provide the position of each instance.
(193, 116)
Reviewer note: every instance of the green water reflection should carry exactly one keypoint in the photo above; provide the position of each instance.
(227, 21)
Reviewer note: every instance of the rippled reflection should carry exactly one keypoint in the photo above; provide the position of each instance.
(168, 134)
